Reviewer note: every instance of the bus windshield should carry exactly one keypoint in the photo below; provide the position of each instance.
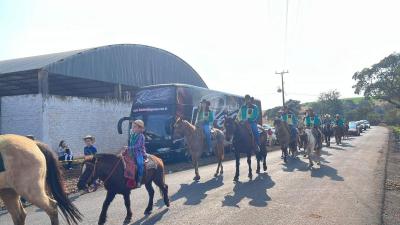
(157, 126)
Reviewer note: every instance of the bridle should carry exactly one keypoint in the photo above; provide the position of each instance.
(92, 175)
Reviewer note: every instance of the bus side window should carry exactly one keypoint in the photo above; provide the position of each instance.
(194, 114)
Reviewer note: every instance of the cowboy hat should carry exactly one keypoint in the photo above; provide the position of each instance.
(139, 123)
(89, 137)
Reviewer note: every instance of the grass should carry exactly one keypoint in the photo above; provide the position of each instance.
(396, 130)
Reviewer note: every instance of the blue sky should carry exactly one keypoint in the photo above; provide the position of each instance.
(236, 46)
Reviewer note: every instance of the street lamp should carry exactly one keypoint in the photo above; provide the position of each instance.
(283, 88)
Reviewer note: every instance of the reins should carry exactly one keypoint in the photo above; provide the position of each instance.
(109, 175)
(112, 171)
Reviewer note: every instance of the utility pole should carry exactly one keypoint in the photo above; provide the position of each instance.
(283, 88)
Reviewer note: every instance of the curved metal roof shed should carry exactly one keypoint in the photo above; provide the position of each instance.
(107, 71)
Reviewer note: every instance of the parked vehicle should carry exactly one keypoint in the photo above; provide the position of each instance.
(354, 128)
(366, 124)
(159, 105)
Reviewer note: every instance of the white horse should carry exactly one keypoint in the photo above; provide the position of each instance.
(310, 146)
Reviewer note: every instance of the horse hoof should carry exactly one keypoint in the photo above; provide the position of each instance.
(147, 212)
(250, 176)
(127, 221)
(265, 168)
(236, 179)
(311, 165)
(196, 178)
(258, 171)
(216, 175)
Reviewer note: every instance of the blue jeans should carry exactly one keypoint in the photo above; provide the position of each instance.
(207, 133)
(293, 133)
(256, 135)
(140, 167)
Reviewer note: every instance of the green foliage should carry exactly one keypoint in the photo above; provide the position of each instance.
(381, 80)
(293, 105)
(396, 130)
(328, 103)
(392, 117)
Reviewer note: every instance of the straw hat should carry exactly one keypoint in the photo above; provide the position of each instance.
(139, 123)
(89, 137)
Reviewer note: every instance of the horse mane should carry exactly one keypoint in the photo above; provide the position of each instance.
(107, 156)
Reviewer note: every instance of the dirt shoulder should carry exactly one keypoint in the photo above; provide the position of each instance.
(391, 201)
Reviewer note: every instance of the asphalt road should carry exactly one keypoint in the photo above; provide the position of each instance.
(347, 189)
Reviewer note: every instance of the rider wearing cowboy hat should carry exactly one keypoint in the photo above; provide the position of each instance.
(312, 121)
(339, 121)
(249, 113)
(136, 148)
(205, 119)
(291, 119)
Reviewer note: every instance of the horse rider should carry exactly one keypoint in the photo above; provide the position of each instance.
(248, 113)
(291, 119)
(205, 119)
(312, 121)
(339, 121)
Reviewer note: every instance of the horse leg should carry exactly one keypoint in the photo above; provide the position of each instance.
(265, 161)
(237, 157)
(127, 202)
(258, 159)
(150, 190)
(196, 168)
(250, 175)
(159, 181)
(103, 215)
(37, 196)
(309, 148)
(13, 205)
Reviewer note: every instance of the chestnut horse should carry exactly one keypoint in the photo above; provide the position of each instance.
(110, 169)
(195, 142)
(30, 166)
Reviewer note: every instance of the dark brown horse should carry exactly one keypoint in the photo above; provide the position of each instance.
(262, 155)
(110, 169)
(243, 142)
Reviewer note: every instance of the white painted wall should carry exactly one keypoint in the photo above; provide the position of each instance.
(56, 118)
(22, 115)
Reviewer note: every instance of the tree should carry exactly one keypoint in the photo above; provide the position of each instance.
(381, 80)
(329, 103)
(294, 106)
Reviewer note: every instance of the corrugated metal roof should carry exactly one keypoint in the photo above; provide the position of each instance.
(135, 65)
(34, 62)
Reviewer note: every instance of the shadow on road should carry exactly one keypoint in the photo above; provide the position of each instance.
(295, 164)
(194, 192)
(255, 190)
(326, 171)
(152, 219)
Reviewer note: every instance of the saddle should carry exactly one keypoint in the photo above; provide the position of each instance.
(130, 168)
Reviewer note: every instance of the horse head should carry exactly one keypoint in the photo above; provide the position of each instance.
(88, 172)
(230, 127)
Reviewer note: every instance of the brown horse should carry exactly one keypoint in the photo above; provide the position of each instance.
(110, 169)
(243, 142)
(29, 167)
(283, 136)
(196, 145)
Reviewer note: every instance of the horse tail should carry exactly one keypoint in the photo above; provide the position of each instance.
(54, 181)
